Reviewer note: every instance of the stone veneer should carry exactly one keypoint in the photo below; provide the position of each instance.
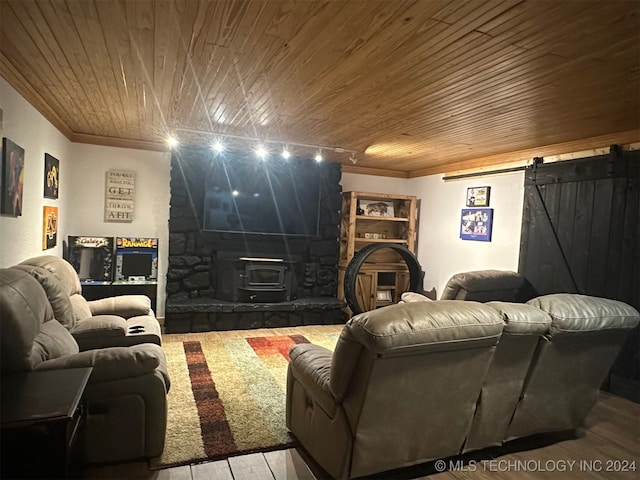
(191, 297)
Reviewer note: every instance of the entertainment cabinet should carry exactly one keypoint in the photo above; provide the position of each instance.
(377, 218)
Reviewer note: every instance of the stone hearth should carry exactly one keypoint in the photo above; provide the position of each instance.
(201, 315)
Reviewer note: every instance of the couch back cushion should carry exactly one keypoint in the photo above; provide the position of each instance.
(58, 297)
(25, 339)
(63, 270)
(411, 328)
(81, 310)
(573, 313)
(488, 285)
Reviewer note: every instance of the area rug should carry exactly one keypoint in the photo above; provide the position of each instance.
(228, 393)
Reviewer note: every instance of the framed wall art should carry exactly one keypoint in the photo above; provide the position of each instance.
(119, 196)
(49, 227)
(51, 176)
(476, 224)
(383, 296)
(12, 178)
(478, 196)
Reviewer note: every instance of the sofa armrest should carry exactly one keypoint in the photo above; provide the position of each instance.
(99, 331)
(123, 305)
(311, 366)
(111, 363)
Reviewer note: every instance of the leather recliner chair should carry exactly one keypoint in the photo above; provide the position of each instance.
(489, 285)
(524, 326)
(571, 361)
(400, 388)
(111, 322)
(126, 392)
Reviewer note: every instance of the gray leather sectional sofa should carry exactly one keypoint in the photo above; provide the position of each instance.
(425, 380)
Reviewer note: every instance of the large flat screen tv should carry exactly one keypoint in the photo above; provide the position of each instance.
(267, 197)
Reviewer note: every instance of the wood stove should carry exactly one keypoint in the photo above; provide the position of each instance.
(255, 279)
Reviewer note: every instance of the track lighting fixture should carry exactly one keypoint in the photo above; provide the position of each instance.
(261, 151)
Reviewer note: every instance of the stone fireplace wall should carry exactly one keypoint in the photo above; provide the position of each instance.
(192, 252)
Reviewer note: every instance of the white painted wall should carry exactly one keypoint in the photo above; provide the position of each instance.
(441, 252)
(21, 237)
(353, 182)
(151, 217)
(82, 181)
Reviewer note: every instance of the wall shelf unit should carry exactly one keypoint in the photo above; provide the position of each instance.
(377, 218)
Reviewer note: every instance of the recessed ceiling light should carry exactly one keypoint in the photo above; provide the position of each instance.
(261, 152)
(217, 147)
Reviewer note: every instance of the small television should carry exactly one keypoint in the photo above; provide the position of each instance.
(136, 259)
(137, 265)
(92, 258)
(244, 194)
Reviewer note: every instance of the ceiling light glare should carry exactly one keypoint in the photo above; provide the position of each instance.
(217, 146)
(235, 193)
(318, 157)
(285, 153)
(261, 152)
(172, 141)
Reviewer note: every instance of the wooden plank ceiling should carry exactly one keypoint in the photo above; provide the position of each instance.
(413, 87)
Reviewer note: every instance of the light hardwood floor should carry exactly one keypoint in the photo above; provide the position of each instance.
(609, 444)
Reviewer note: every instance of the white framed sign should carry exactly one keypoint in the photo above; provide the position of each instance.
(119, 196)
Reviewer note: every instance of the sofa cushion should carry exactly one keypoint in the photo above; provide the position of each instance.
(488, 285)
(53, 341)
(522, 319)
(408, 297)
(28, 336)
(124, 305)
(58, 297)
(62, 269)
(424, 323)
(582, 313)
(81, 310)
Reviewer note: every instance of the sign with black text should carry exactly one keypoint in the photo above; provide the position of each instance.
(119, 196)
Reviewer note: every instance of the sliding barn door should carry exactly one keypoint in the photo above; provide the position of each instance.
(581, 232)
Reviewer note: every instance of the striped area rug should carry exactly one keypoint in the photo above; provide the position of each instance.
(228, 392)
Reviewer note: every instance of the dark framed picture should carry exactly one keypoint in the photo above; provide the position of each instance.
(476, 224)
(478, 196)
(51, 176)
(12, 178)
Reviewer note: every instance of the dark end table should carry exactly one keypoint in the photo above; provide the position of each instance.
(42, 415)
